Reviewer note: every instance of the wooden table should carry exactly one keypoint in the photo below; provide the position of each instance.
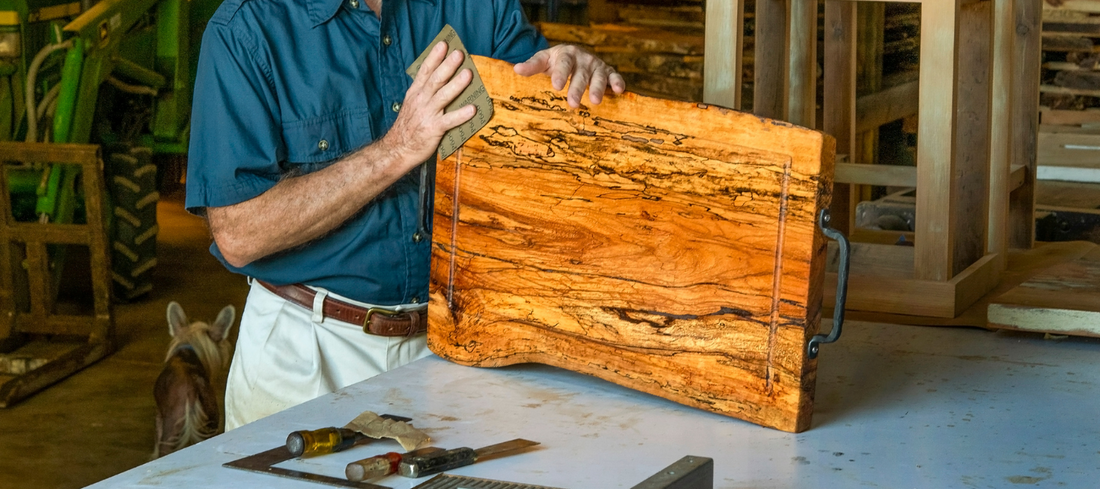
(976, 150)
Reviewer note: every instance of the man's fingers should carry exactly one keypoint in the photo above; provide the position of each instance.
(456, 117)
(578, 83)
(447, 93)
(562, 66)
(431, 62)
(446, 71)
(538, 63)
(618, 84)
(598, 85)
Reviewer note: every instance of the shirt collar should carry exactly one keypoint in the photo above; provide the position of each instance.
(321, 11)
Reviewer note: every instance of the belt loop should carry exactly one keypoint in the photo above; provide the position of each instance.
(319, 305)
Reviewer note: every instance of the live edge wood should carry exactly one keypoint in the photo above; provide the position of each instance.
(664, 246)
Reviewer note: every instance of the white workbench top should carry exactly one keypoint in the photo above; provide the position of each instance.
(896, 407)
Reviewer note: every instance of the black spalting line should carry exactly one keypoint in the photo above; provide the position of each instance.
(624, 314)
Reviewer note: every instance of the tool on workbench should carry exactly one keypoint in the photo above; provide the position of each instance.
(450, 481)
(382, 465)
(264, 462)
(458, 457)
(690, 472)
(322, 441)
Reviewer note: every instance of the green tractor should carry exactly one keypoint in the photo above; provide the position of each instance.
(112, 73)
(117, 73)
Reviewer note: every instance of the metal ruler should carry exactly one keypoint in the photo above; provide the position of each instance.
(264, 463)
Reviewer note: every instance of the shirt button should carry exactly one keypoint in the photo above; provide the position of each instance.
(354, 3)
(396, 106)
(387, 40)
(417, 237)
(322, 145)
(416, 300)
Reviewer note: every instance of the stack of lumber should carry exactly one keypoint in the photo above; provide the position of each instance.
(657, 49)
(1069, 134)
(1071, 62)
(901, 43)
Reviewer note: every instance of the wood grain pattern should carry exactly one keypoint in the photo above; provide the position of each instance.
(666, 246)
(1064, 299)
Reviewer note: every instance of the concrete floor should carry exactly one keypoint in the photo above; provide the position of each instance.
(99, 422)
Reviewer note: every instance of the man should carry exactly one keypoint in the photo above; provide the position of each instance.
(305, 130)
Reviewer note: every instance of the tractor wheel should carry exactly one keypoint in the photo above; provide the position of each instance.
(132, 182)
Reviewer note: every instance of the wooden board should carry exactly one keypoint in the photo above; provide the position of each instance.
(665, 246)
(1064, 299)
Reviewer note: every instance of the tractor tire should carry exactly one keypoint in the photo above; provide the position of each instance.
(132, 182)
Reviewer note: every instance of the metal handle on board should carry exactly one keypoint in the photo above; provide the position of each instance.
(815, 343)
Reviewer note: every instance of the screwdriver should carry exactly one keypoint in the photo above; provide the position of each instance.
(381, 465)
(421, 466)
(322, 441)
(327, 440)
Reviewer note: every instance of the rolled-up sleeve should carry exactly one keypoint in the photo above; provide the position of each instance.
(236, 143)
(514, 40)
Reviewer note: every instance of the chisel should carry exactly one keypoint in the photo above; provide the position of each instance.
(459, 457)
(382, 465)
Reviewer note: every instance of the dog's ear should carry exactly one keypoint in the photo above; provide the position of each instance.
(220, 329)
(177, 320)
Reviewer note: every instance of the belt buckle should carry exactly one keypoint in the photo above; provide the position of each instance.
(379, 310)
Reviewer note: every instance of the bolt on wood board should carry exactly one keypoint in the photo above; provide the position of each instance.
(665, 246)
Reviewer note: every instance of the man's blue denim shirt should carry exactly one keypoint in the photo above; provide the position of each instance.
(290, 86)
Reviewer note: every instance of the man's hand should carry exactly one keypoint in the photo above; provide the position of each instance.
(582, 69)
(421, 124)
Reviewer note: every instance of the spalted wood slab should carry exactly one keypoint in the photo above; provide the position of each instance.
(1064, 299)
(664, 246)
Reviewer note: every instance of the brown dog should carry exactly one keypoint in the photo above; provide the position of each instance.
(188, 407)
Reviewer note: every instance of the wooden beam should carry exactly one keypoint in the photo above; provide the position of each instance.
(885, 260)
(936, 141)
(886, 106)
(802, 79)
(1069, 174)
(1067, 149)
(971, 177)
(770, 59)
(1074, 5)
(839, 104)
(1017, 177)
(1001, 176)
(1025, 118)
(722, 70)
(884, 175)
(1050, 116)
(868, 291)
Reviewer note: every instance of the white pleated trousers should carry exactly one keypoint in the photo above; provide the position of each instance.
(287, 354)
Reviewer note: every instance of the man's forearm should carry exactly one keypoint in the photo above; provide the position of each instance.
(303, 208)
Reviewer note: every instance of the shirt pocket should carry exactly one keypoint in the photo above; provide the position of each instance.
(327, 137)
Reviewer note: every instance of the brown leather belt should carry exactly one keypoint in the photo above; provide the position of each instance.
(376, 321)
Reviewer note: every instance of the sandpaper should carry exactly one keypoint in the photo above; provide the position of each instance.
(474, 94)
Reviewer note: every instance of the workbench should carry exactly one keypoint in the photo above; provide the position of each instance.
(896, 406)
